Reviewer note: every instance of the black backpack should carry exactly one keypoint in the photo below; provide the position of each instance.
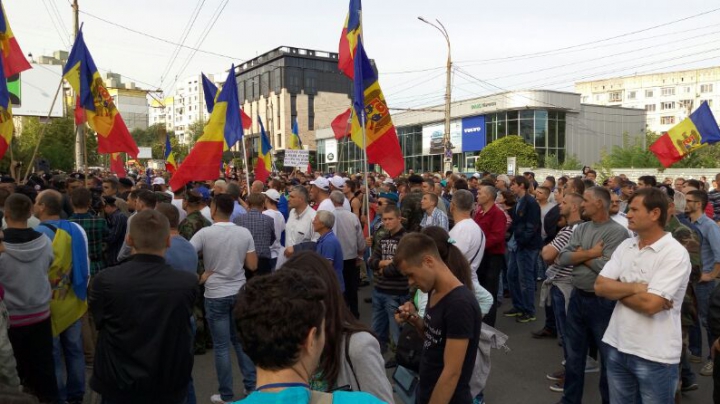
(409, 348)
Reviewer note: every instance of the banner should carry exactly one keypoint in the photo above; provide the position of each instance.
(296, 158)
(432, 138)
(473, 133)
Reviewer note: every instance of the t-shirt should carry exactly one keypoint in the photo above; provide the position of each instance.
(300, 395)
(329, 247)
(178, 203)
(556, 271)
(224, 247)
(328, 205)
(470, 239)
(665, 267)
(181, 255)
(455, 316)
(279, 220)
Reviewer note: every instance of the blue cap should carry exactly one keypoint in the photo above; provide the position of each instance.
(389, 195)
(204, 192)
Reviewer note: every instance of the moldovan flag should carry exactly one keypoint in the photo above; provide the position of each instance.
(210, 91)
(351, 34)
(205, 158)
(341, 124)
(383, 146)
(14, 60)
(295, 142)
(263, 167)
(170, 164)
(694, 132)
(117, 165)
(100, 110)
(6, 121)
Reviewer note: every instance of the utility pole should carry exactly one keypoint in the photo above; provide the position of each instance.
(80, 155)
(448, 149)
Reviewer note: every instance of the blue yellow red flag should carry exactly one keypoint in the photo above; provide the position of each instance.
(692, 133)
(6, 122)
(295, 141)
(170, 164)
(210, 91)
(14, 60)
(100, 110)
(369, 105)
(263, 167)
(351, 33)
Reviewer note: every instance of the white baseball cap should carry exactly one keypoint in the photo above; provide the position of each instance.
(388, 180)
(338, 182)
(158, 181)
(272, 194)
(321, 183)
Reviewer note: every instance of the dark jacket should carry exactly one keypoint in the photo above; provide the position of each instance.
(142, 311)
(411, 211)
(550, 224)
(526, 223)
(392, 281)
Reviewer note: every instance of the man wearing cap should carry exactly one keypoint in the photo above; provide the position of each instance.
(411, 206)
(159, 185)
(320, 194)
(272, 198)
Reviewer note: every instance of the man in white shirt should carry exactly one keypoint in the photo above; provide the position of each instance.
(227, 249)
(647, 275)
(320, 194)
(615, 213)
(468, 236)
(272, 197)
(299, 228)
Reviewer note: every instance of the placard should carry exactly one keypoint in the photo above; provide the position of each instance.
(297, 158)
(144, 152)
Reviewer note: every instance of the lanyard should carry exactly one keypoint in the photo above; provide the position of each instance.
(281, 385)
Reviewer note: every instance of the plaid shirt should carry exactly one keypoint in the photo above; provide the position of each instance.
(262, 228)
(97, 230)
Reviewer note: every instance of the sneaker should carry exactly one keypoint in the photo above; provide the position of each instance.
(513, 313)
(694, 359)
(525, 318)
(558, 387)
(707, 370)
(689, 387)
(217, 399)
(591, 365)
(544, 333)
(556, 376)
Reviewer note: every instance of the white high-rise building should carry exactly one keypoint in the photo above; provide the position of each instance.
(667, 97)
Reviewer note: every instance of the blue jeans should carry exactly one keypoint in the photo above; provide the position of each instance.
(558, 301)
(69, 346)
(224, 335)
(703, 291)
(587, 318)
(383, 316)
(633, 379)
(521, 279)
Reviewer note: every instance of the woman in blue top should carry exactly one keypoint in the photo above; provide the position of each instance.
(281, 323)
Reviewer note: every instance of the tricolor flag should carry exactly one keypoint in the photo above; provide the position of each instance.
(295, 142)
(6, 121)
(341, 124)
(382, 146)
(211, 93)
(694, 132)
(170, 164)
(100, 110)
(205, 158)
(263, 167)
(351, 34)
(117, 165)
(13, 58)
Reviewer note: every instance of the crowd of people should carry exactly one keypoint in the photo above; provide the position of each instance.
(129, 279)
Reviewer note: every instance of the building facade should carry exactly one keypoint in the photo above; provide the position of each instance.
(667, 97)
(555, 123)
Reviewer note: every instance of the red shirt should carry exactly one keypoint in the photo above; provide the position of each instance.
(493, 224)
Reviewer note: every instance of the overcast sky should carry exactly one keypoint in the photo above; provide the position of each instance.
(486, 36)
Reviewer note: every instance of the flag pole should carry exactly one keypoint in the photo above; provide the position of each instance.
(245, 162)
(365, 169)
(42, 131)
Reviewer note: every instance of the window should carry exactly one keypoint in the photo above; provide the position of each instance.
(706, 88)
(667, 91)
(650, 107)
(685, 103)
(710, 104)
(649, 93)
(615, 96)
(667, 105)
(667, 120)
(688, 90)
(632, 95)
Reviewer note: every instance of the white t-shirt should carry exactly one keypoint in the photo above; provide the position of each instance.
(665, 267)
(178, 204)
(279, 220)
(470, 239)
(330, 207)
(224, 247)
(206, 212)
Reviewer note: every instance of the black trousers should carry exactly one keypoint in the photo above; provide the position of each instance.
(264, 267)
(716, 379)
(351, 275)
(489, 277)
(33, 348)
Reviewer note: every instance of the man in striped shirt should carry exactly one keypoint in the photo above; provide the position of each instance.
(433, 216)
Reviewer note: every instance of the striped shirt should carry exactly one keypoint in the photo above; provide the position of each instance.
(437, 218)
(555, 271)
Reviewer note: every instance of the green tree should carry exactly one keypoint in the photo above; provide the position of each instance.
(494, 156)
(196, 129)
(632, 154)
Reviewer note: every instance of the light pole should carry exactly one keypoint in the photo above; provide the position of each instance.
(448, 88)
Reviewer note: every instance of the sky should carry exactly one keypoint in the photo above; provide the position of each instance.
(496, 46)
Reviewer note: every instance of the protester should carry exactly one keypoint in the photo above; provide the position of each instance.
(272, 198)
(492, 223)
(117, 228)
(349, 233)
(433, 216)
(262, 229)
(299, 227)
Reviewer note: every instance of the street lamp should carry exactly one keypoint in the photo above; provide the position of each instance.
(448, 87)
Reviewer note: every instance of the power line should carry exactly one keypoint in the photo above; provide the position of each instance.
(57, 29)
(183, 37)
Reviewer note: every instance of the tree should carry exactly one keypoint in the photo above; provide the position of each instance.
(632, 154)
(196, 129)
(148, 137)
(571, 162)
(494, 156)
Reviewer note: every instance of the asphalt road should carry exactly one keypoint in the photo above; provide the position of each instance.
(516, 377)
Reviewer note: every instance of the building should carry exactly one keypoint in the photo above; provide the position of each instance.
(161, 111)
(666, 97)
(288, 84)
(554, 122)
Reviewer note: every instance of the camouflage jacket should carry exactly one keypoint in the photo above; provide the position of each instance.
(411, 211)
(690, 240)
(192, 224)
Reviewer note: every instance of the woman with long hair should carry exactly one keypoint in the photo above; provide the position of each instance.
(351, 358)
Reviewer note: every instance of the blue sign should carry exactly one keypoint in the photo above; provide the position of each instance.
(473, 133)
